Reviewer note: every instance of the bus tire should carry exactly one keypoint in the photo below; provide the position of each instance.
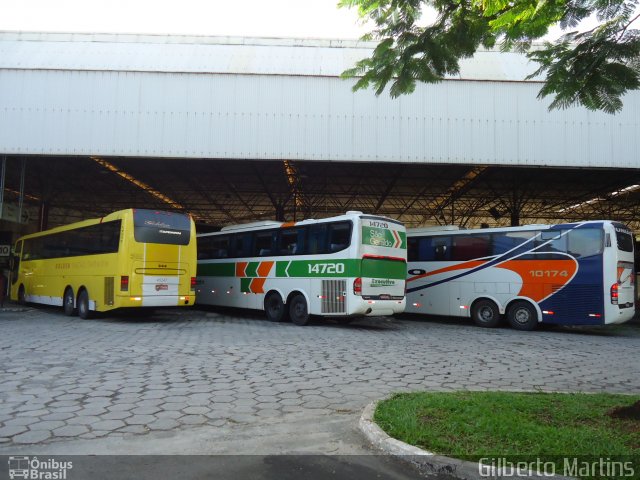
(83, 305)
(274, 307)
(298, 310)
(485, 313)
(68, 302)
(522, 316)
(22, 295)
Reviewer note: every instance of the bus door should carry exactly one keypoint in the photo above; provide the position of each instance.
(625, 274)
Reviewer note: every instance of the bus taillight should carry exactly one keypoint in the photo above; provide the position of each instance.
(124, 283)
(193, 284)
(357, 286)
(614, 294)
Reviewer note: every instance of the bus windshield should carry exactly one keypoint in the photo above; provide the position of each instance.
(150, 226)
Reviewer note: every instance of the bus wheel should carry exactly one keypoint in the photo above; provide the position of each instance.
(22, 296)
(68, 301)
(298, 310)
(83, 305)
(274, 307)
(485, 314)
(522, 316)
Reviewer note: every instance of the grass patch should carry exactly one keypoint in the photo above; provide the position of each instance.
(473, 425)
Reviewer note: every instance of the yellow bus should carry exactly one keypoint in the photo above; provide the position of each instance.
(129, 258)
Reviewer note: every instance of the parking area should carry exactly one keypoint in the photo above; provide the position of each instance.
(193, 381)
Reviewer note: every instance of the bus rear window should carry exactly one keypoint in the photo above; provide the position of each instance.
(150, 226)
(625, 240)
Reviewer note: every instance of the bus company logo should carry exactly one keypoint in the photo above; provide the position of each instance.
(35, 469)
(623, 230)
(381, 242)
(170, 232)
(377, 282)
(153, 223)
(162, 286)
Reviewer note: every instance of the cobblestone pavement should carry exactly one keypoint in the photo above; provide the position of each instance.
(65, 379)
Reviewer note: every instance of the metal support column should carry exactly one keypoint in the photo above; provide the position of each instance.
(21, 197)
(2, 177)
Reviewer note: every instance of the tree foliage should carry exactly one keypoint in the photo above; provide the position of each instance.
(593, 68)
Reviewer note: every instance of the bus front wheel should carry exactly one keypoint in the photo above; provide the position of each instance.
(298, 310)
(522, 316)
(274, 307)
(69, 303)
(485, 313)
(83, 305)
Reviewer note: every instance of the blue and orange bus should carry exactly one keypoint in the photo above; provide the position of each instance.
(567, 274)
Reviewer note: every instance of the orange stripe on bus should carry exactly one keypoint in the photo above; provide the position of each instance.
(257, 285)
(287, 224)
(264, 268)
(452, 268)
(240, 269)
(541, 278)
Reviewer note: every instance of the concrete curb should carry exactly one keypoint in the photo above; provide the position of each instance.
(426, 462)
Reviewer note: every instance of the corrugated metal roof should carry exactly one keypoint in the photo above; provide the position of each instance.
(223, 55)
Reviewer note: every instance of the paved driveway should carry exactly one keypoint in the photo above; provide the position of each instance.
(192, 381)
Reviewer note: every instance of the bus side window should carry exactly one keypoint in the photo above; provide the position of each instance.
(290, 241)
(264, 243)
(470, 247)
(242, 245)
(339, 236)
(441, 248)
(412, 249)
(585, 242)
(507, 241)
(221, 246)
(317, 239)
(204, 248)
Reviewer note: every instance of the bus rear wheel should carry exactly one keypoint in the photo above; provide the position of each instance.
(69, 303)
(522, 316)
(83, 305)
(485, 313)
(298, 310)
(274, 307)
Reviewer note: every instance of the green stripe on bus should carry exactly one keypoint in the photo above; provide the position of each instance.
(378, 268)
(252, 269)
(216, 270)
(382, 237)
(319, 268)
(403, 237)
(244, 284)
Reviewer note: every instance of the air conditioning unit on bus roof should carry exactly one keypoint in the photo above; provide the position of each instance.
(245, 226)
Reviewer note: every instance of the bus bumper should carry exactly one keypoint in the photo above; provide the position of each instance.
(371, 308)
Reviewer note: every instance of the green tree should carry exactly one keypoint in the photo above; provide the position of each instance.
(593, 68)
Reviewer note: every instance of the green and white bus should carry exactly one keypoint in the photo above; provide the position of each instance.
(345, 266)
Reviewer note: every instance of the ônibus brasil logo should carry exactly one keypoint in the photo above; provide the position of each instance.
(35, 469)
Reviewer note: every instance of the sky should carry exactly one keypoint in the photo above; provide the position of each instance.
(262, 18)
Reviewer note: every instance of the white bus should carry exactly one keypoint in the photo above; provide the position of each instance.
(568, 274)
(345, 266)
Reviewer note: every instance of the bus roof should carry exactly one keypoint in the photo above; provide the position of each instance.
(431, 231)
(269, 224)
